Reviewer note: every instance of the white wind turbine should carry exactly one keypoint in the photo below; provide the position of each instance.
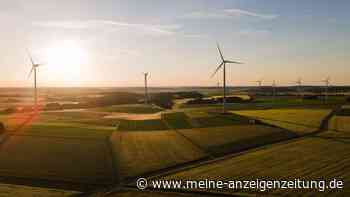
(274, 85)
(146, 87)
(34, 69)
(299, 83)
(327, 84)
(223, 65)
(259, 82)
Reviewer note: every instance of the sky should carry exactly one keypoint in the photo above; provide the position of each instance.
(112, 42)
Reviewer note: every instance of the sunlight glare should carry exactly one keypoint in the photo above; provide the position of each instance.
(65, 60)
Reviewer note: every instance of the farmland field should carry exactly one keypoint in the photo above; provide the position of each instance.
(298, 120)
(216, 120)
(77, 160)
(141, 152)
(220, 140)
(340, 123)
(177, 120)
(310, 158)
(136, 108)
(68, 130)
(141, 125)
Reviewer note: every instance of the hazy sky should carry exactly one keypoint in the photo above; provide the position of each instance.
(111, 42)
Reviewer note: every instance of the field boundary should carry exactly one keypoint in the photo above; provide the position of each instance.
(188, 139)
(231, 155)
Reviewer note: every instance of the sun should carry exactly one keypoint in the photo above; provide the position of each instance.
(65, 60)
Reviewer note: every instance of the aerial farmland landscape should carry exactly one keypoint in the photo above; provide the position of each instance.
(163, 98)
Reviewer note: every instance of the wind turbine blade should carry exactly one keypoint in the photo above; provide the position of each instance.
(30, 57)
(31, 71)
(217, 69)
(233, 62)
(222, 57)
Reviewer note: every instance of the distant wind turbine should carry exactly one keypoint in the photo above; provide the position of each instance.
(223, 64)
(327, 84)
(146, 88)
(34, 69)
(274, 85)
(299, 83)
(259, 82)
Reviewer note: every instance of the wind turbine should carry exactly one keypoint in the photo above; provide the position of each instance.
(274, 89)
(34, 69)
(327, 83)
(299, 83)
(146, 88)
(259, 83)
(223, 64)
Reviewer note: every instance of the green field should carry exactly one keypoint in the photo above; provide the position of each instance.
(177, 120)
(180, 120)
(216, 120)
(96, 146)
(269, 103)
(133, 109)
(56, 158)
(221, 140)
(142, 152)
(298, 120)
(141, 125)
(322, 157)
(68, 130)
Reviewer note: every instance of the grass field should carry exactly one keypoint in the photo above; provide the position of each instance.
(135, 108)
(216, 120)
(68, 130)
(311, 158)
(177, 120)
(55, 158)
(221, 140)
(298, 120)
(181, 120)
(269, 102)
(141, 152)
(141, 125)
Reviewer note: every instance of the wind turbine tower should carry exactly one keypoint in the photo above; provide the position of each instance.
(34, 69)
(146, 87)
(259, 83)
(274, 89)
(327, 83)
(223, 65)
(299, 83)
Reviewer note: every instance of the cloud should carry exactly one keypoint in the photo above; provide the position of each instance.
(239, 12)
(227, 13)
(137, 27)
(251, 32)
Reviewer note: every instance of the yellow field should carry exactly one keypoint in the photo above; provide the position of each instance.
(340, 123)
(322, 157)
(219, 140)
(146, 151)
(298, 120)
